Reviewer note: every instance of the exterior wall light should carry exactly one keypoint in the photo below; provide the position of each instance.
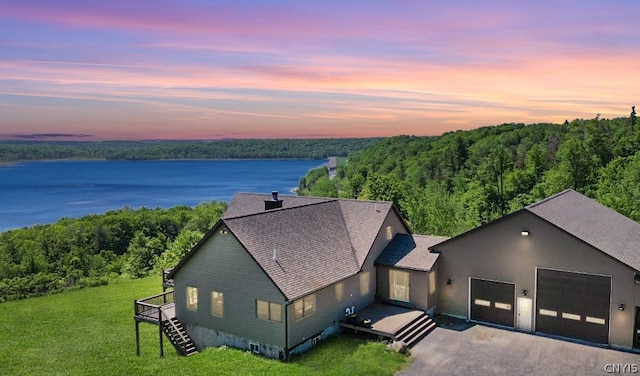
(524, 233)
(621, 307)
(448, 281)
(524, 292)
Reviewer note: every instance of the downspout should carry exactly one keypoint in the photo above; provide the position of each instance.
(286, 331)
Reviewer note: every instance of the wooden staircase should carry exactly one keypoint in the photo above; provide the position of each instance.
(174, 330)
(414, 331)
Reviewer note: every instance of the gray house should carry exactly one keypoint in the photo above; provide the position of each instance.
(275, 276)
(566, 266)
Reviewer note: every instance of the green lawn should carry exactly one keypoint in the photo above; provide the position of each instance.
(91, 332)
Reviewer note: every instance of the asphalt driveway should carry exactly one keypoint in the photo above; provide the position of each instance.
(481, 350)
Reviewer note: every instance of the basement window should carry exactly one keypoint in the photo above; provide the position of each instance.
(254, 347)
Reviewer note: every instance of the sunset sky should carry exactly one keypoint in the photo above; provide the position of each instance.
(201, 69)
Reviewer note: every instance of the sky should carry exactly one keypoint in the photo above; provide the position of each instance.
(204, 69)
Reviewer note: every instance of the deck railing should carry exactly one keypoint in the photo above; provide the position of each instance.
(150, 306)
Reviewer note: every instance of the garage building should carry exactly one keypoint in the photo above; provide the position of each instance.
(566, 266)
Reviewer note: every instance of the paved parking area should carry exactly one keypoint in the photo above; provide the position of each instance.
(481, 350)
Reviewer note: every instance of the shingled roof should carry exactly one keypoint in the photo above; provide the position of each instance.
(251, 203)
(593, 223)
(316, 241)
(311, 245)
(407, 251)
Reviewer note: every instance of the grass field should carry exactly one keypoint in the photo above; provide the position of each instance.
(91, 332)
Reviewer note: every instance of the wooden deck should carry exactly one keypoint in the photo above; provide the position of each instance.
(386, 319)
(155, 309)
(151, 315)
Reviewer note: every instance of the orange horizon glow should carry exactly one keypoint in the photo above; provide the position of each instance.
(187, 70)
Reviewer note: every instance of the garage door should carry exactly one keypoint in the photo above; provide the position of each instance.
(573, 305)
(492, 301)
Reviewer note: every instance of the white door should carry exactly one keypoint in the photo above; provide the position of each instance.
(524, 314)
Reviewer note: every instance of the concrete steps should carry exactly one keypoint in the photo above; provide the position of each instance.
(413, 332)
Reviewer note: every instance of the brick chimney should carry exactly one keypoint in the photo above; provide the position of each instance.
(274, 203)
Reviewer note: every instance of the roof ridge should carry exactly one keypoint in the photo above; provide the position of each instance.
(353, 249)
(277, 210)
(549, 198)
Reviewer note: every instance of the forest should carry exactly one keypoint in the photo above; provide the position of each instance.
(449, 184)
(92, 250)
(11, 151)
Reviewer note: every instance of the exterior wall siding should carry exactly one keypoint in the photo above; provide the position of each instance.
(328, 311)
(418, 287)
(222, 264)
(499, 252)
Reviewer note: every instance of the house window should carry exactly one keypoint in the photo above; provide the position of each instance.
(398, 285)
(268, 311)
(304, 307)
(192, 298)
(364, 283)
(389, 233)
(339, 291)
(217, 304)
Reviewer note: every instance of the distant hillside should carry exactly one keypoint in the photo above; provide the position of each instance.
(449, 184)
(153, 150)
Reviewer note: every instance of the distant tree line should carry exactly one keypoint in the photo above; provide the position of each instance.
(96, 249)
(452, 183)
(153, 150)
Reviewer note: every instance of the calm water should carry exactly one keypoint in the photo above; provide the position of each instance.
(43, 192)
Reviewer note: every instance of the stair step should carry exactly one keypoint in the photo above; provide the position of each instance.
(412, 325)
(178, 337)
(421, 334)
(416, 332)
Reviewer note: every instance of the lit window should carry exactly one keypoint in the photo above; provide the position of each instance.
(192, 298)
(262, 309)
(364, 283)
(482, 302)
(304, 307)
(268, 311)
(595, 320)
(547, 312)
(275, 312)
(339, 291)
(398, 285)
(217, 304)
(389, 234)
(570, 316)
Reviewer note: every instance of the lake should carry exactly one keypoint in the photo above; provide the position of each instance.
(43, 192)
